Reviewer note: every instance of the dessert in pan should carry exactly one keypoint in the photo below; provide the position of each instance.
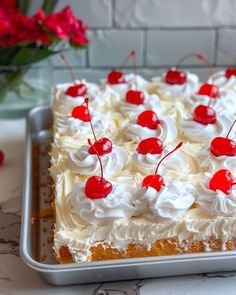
(143, 168)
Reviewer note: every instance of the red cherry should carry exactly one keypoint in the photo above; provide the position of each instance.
(115, 77)
(155, 181)
(210, 90)
(97, 187)
(230, 72)
(81, 113)
(222, 180)
(174, 76)
(102, 146)
(221, 146)
(148, 119)
(134, 97)
(151, 145)
(1, 157)
(77, 90)
(204, 115)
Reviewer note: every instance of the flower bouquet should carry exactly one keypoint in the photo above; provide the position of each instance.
(26, 40)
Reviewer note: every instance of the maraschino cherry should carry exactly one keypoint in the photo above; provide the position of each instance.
(81, 113)
(230, 72)
(155, 180)
(77, 89)
(204, 115)
(102, 146)
(97, 187)
(1, 157)
(134, 96)
(222, 180)
(118, 77)
(148, 119)
(151, 145)
(208, 89)
(115, 77)
(176, 77)
(223, 146)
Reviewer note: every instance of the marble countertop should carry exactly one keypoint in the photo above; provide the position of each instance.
(17, 279)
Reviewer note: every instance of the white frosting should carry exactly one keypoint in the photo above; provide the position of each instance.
(172, 92)
(212, 163)
(171, 202)
(166, 131)
(151, 102)
(180, 164)
(125, 217)
(118, 204)
(220, 80)
(72, 126)
(203, 133)
(131, 82)
(83, 162)
(64, 103)
(216, 202)
(225, 103)
(79, 236)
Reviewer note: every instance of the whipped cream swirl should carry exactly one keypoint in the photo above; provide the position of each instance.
(225, 103)
(203, 133)
(151, 102)
(64, 103)
(212, 163)
(83, 162)
(220, 80)
(132, 81)
(117, 205)
(178, 164)
(72, 126)
(181, 92)
(171, 202)
(166, 131)
(215, 202)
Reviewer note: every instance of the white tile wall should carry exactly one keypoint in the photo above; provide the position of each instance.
(226, 50)
(174, 13)
(167, 47)
(161, 31)
(109, 48)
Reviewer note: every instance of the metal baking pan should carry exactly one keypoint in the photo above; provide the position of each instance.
(36, 253)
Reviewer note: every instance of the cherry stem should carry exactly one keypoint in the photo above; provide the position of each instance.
(232, 126)
(86, 100)
(176, 148)
(199, 57)
(68, 67)
(131, 55)
(99, 159)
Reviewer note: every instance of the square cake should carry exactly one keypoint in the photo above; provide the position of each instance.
(144, 168)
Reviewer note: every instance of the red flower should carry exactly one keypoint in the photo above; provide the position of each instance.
(17, 29)
(8, 5)
(66, 26)
(4, 24)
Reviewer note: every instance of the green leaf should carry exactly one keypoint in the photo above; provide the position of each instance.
(27, 55)
(49, 5)
(24, 5)
(7, 55)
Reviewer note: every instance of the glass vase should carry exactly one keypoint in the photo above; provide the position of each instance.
(24, 87)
